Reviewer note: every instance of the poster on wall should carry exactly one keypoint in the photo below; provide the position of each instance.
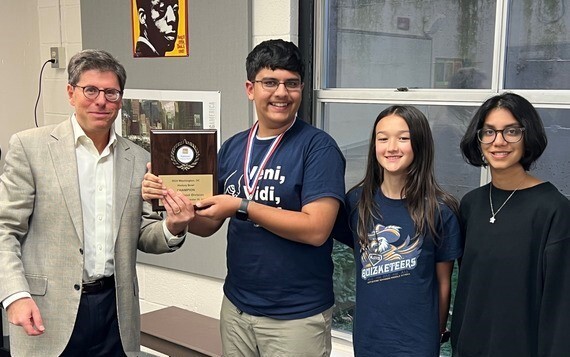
(144, 110)
(160, 28)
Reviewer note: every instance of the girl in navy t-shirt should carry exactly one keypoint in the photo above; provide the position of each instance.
(406, 237)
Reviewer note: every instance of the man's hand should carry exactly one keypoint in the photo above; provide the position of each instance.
(24, 312)
(180, 211)
(152, 187)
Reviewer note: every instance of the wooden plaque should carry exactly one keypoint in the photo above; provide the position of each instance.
(186, 161)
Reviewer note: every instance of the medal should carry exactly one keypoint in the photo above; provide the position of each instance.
(252, 179)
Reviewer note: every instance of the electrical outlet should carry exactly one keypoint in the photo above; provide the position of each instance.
(57, 54)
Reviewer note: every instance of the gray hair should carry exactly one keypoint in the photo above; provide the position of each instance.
(98, 60)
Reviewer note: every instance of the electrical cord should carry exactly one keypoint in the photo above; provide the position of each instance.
(40, 91)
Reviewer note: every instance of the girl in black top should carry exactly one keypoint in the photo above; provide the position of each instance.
(513, 294)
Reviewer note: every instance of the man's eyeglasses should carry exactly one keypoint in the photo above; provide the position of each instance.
(511, 134)
(273, 84)
(111, 94)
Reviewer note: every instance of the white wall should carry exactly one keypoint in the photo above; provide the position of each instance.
(60, 25)
(19, 69)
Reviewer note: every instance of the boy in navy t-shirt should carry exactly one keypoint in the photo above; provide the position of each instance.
(281, 185)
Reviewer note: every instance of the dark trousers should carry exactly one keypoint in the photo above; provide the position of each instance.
(96, 330)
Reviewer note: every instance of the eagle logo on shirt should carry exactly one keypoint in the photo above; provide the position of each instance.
(383, 257)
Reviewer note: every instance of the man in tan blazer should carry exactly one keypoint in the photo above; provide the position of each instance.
(71, 221)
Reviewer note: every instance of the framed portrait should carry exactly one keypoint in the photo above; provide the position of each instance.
(160, 28)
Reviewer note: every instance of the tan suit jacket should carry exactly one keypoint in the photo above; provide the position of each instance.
(41, 234)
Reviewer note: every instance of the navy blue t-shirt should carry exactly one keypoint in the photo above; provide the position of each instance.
(397, 306)
(269, 275)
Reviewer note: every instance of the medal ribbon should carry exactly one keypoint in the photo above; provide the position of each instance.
(251, 182)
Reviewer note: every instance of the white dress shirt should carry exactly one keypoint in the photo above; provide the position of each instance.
(95, 173)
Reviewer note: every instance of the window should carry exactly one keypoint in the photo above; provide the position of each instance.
(391, 44)
(446, 58)
(538, 45)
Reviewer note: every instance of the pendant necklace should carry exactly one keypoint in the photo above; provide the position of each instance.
(493, 213)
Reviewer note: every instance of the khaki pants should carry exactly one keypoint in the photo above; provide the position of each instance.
(244, 335)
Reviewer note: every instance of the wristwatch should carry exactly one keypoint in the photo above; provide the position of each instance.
(241, 213)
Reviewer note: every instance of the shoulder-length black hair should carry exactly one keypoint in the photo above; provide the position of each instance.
(534, 137)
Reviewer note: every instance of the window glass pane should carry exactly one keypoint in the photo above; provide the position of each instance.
(554, 164)
(448, 124)
(344, 287)
(538, 45)
(409, 43)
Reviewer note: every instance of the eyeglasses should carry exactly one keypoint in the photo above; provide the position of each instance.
(273, 84)
(111, 94)
(512, 134)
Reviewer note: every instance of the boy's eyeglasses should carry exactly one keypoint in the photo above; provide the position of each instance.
(273, 84)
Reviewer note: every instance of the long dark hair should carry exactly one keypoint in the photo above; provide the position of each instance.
(421, 190)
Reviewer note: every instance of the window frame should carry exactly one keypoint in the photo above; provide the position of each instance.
(321, 96)
(422, 96)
